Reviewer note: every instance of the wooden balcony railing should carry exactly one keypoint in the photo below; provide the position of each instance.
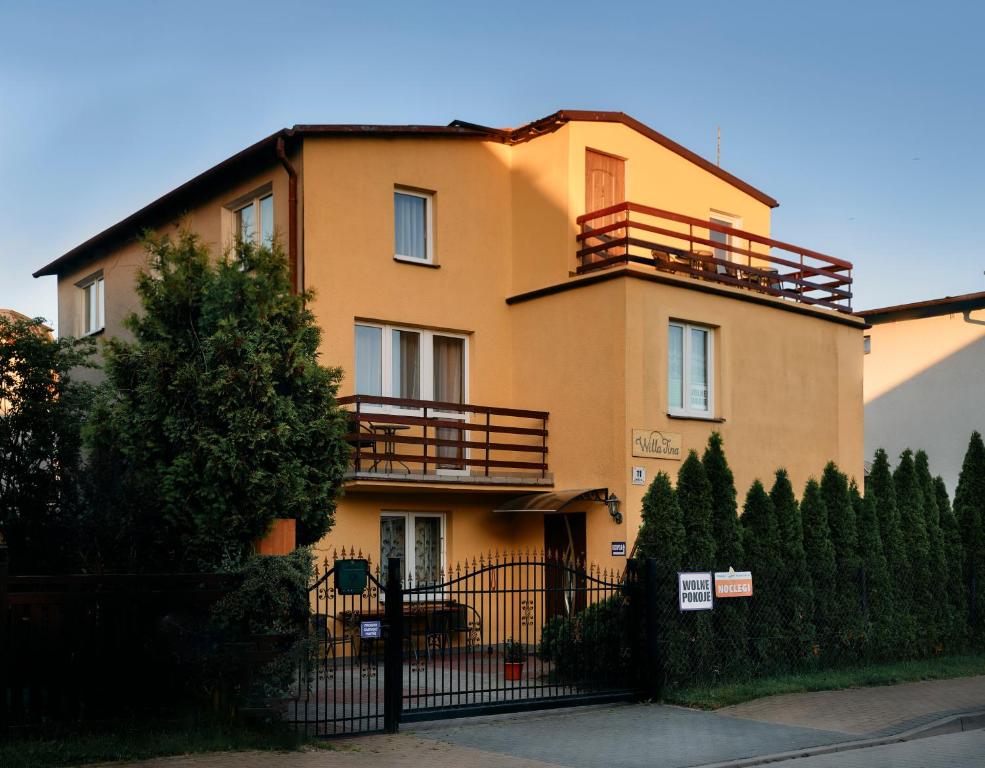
(672, 242)
(399, 436)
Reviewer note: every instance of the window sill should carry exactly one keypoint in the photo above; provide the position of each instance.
(683, 417)
(417, 262)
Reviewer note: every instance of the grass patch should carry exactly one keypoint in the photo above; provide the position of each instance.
(724, 694)
(140, 741)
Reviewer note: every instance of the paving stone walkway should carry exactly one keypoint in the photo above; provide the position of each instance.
(867, 711)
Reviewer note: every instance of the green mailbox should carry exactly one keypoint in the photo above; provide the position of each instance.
(351, 576)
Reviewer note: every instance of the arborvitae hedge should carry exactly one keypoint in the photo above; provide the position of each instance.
(661, 537)
(969, 509)
(730, 616)
(694, 497)
(956, 629)
(936, 563)
(877, 603)
(844, 538)
(820, 554)
(799, 589)
(882, 488)
(909, 497)
(761, 540)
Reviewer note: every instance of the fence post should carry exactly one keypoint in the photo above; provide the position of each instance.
(393, 691)
(4, 630)
(652, 678)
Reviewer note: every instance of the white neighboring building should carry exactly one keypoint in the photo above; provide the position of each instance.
(925, 380)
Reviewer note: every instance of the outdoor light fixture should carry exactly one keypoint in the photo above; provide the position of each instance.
(612, 502)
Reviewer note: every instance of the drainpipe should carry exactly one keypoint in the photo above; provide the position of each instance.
(292, 213)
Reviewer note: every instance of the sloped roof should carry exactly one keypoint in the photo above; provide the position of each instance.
(948, 305)
(183, 197)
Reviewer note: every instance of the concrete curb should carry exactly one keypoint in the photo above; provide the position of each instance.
(966, 721)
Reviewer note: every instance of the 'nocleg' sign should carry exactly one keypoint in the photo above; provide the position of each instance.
(694, 591)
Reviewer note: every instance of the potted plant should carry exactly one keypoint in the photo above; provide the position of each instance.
(514, 655)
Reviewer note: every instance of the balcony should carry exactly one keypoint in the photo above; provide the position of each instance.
(425, 441)
(629, 233)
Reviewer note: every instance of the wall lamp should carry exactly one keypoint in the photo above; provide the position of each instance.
(612, 502)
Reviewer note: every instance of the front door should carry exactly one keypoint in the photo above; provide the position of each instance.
(564, 543)
(605, 186)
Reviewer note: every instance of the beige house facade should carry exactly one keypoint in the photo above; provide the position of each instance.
(924, 371)
(533, 322)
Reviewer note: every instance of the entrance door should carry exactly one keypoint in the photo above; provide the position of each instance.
(564, 543)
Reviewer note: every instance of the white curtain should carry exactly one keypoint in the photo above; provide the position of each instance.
(675, 367)
(427, 550)
(393, 542)
(410, 225)
(698, 372)
(369, 360)
(449, 387)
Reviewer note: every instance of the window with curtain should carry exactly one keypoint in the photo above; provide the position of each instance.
(449, 387)
(412, 225)
(689, 366)
(416, 539)
(405, 366)
(369, 360)
(94, 305)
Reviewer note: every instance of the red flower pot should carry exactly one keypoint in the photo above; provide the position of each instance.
(514, 670)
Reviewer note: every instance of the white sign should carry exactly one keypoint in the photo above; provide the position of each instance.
(639, 475)
(370, 630)
(694, 592)
(619, 549)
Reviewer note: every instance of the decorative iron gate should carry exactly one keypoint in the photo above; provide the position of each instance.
(499, 633)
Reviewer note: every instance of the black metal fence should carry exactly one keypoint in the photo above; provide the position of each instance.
(500, 633)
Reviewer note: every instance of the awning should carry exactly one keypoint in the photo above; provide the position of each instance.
(553, 501)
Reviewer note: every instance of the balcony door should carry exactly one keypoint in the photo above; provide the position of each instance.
(605, 186)
(449, 387)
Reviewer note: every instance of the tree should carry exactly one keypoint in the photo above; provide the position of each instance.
(935, 547)
(219, 409)
(820, 555)
(694, 497)
(844, 537)
(882, 489)
(957, 598)
(761, 540)
(661, 537)
(969, 509)
(877, 600)
(909, 497)
(798, 606)
(42, 410)
(729, 619)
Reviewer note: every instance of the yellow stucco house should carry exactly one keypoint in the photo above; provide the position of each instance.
(533, 322)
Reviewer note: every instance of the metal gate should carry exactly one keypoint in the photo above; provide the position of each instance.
(500, 633)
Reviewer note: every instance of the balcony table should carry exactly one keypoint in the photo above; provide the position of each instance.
(388, 431)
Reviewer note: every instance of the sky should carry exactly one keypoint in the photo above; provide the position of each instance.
(864, 119)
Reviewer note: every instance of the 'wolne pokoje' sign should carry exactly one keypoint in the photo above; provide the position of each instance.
(694, 591)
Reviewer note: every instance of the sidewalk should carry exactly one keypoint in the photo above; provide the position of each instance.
(634, 736)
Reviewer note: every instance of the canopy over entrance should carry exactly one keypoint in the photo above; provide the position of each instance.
(555, 501)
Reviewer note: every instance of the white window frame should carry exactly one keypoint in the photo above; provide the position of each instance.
(686, 411)
(735, 222)
(95, 283)
(409, 554)
(426, 385)
(428, 198)
(253, 201)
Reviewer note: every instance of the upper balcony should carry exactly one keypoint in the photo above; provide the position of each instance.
(426, 441)
(705, 250)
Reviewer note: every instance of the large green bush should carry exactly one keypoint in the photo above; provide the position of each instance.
(799, 601)
(591, 647)
(761, 540)
(820, 555)
(969, 509)
(913, 523)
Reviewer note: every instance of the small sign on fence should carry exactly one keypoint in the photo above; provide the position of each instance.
(733, 584)
(694, 592)
(370, 630)
(351, 576)
(619, 549)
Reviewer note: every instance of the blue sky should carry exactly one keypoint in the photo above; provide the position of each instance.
(865, 119)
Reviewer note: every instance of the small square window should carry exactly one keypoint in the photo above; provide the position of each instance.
(412, 237)
(93, 306)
